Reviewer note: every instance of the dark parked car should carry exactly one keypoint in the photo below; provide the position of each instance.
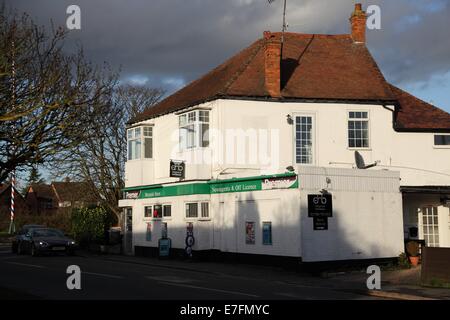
(46, 240)
(20, 236)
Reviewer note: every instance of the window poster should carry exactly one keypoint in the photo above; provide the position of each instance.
(249, 232)
(267, 233)
(148, 234)
(164, 230)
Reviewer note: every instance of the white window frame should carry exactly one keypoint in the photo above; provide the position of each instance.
(439, 146)
(142, 138)
(369, 135)
(143, 212)
(185, 210)
(171, 211)
(201, 217)
(430, 212)
(313, 137)
(193, 119)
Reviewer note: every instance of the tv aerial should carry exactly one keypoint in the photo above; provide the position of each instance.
(360, 164)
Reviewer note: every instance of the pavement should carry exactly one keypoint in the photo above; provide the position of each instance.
(137, 278)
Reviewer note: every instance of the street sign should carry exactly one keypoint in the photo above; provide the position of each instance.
(320, 205)
(177, 169)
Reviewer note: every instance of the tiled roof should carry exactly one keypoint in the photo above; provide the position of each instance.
(73, 191)
(415, 114)
(313, 67)
(44, 191)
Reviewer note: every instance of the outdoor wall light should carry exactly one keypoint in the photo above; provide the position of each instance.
(290, 169)
(289, 119)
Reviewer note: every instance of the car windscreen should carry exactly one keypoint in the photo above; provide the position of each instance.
(47, 233)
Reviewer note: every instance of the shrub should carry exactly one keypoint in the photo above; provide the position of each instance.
(59, 220)
(90, 225)
(403, 261)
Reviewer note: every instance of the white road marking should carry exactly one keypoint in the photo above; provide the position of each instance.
(26, 265)
(173, 279)
(208, 289)
(101, 275)
(289, 295)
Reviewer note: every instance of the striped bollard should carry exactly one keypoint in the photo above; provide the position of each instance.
(12, 227)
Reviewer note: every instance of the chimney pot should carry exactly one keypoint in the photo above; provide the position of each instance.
(358, 22)
(272, 65)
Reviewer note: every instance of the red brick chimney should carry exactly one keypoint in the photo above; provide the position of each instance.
(272, 64)
(358, 21)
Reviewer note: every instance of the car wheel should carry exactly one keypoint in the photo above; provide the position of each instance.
(34, 251)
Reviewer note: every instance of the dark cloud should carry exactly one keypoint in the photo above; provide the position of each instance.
(170, 42)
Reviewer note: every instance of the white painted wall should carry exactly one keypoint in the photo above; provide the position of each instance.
(367, 222)
(367, 217)
(413, 154)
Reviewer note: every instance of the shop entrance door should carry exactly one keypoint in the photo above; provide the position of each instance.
(128, 236)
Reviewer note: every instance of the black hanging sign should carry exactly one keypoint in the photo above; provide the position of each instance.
(320, 205)
(320, 223)
(177, 169)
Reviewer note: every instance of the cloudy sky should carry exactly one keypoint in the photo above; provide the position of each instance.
(168, 43)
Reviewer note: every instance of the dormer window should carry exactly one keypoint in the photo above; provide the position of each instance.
(140, 143)
(194, 129)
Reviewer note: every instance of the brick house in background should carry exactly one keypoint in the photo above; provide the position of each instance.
(20, 205)
(41, 199)
(48, 199)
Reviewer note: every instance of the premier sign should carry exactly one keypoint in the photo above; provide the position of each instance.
(279, 183)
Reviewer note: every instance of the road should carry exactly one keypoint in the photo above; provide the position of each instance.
(45, 278)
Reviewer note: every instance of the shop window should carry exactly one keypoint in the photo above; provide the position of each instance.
(148, 211)
(157, 211)
(140, 143)
(205, 210)
(194, 129)
(358, 129)
(191, 210)
(167, 211)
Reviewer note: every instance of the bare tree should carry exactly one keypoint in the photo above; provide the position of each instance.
(44, 93)
(100, 158)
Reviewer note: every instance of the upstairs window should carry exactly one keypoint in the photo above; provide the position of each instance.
(140, 143)
(194, 129)
(358, 129)
(441, 140)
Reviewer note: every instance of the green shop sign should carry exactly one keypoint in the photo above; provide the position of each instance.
(280, 181)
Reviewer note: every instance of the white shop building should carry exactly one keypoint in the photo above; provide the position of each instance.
(279, 122)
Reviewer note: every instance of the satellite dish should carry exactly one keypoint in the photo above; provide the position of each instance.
(360, 164)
